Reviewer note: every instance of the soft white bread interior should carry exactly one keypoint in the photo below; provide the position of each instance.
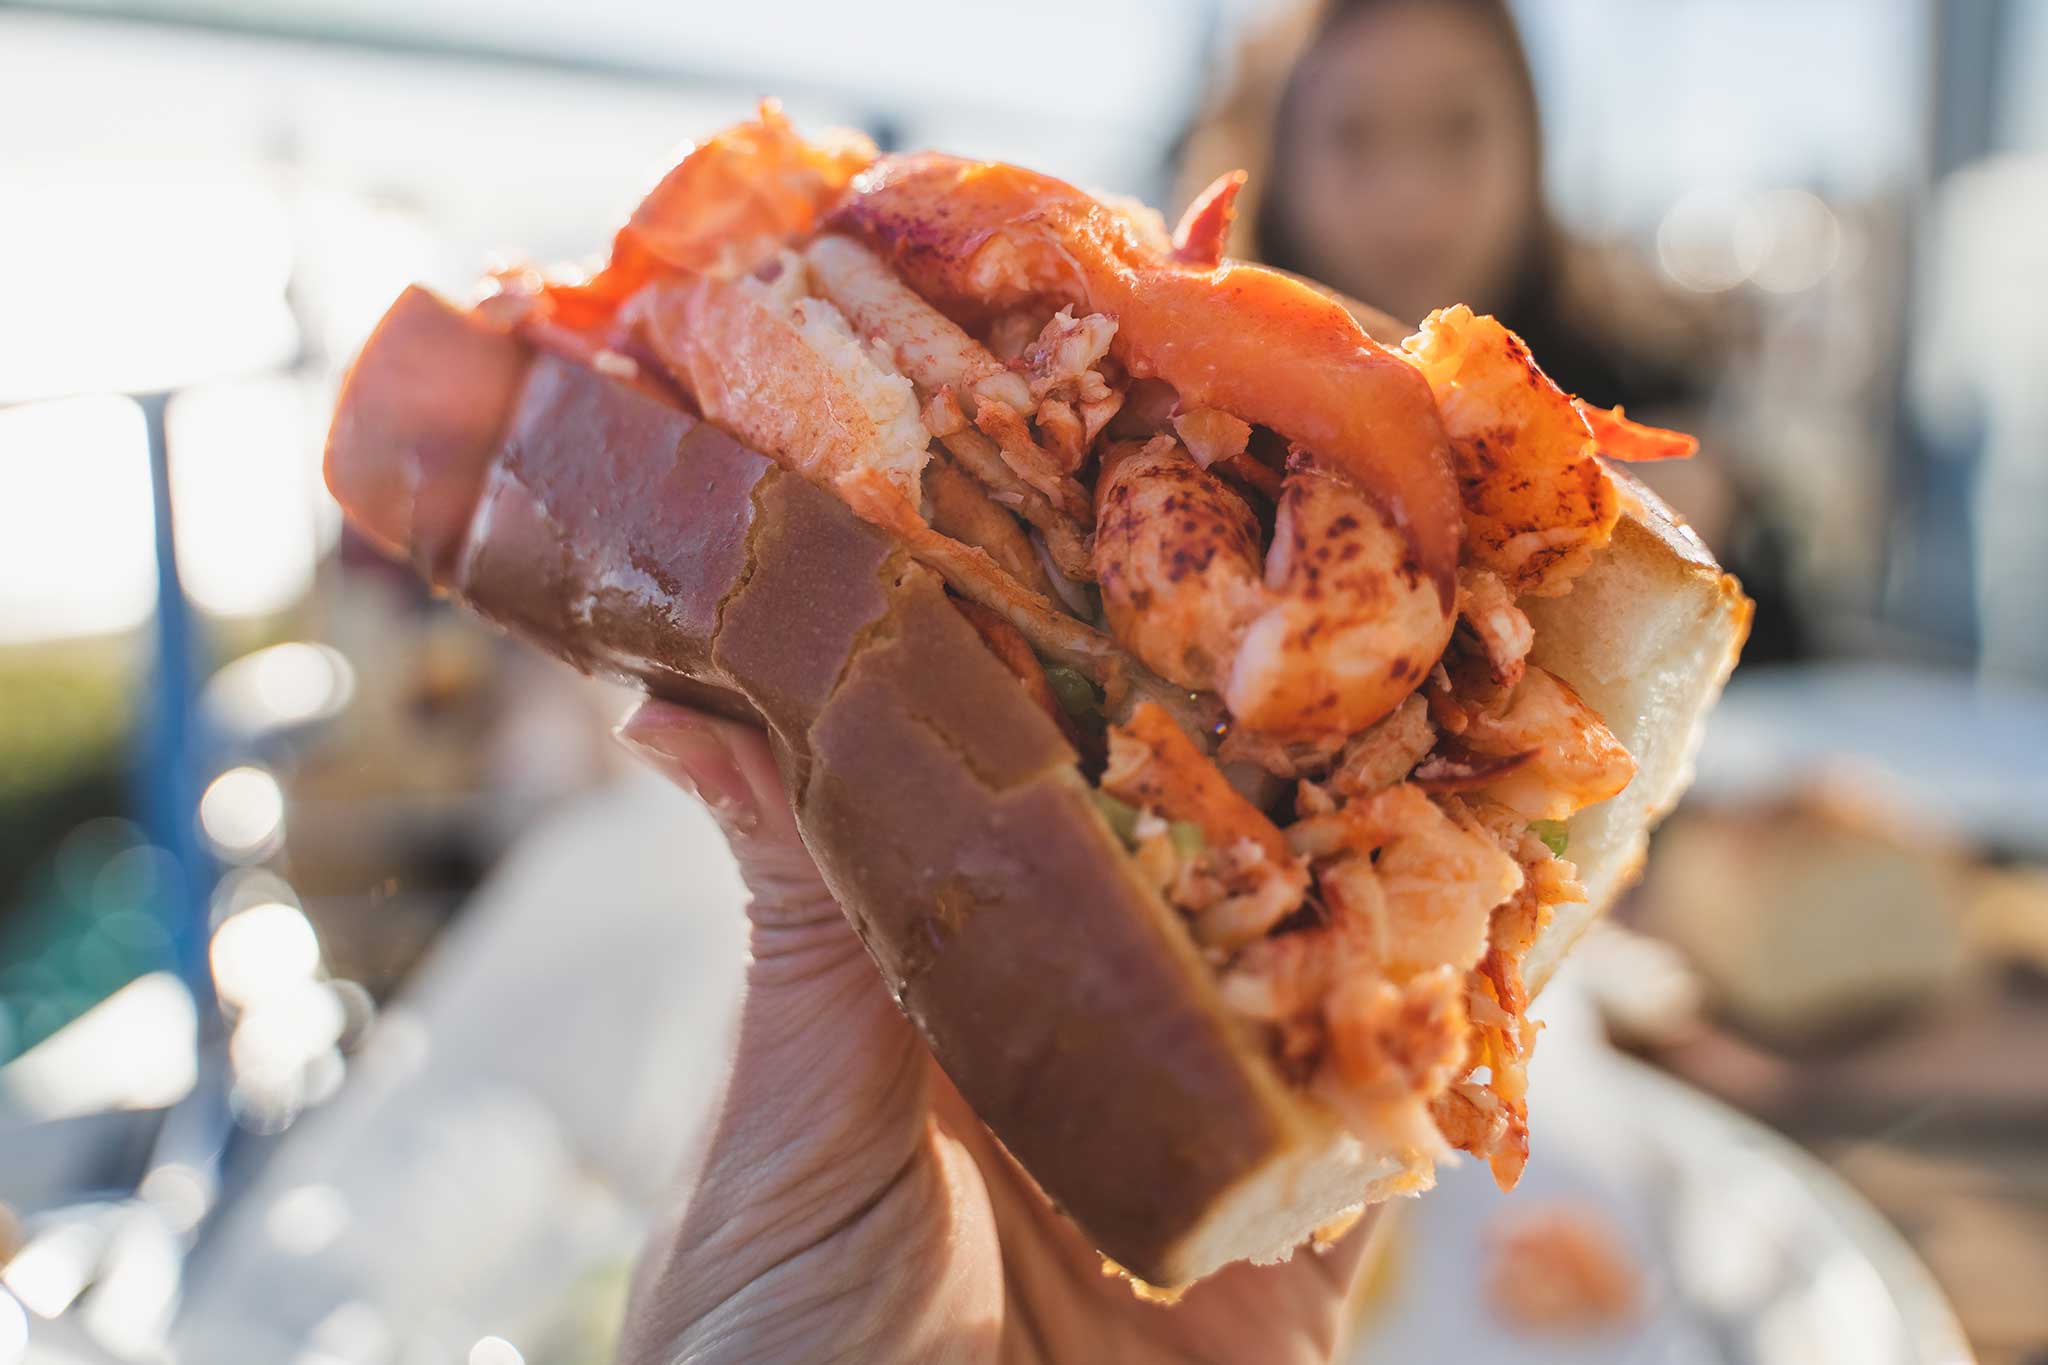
(1647, 636)
(1315, 1183)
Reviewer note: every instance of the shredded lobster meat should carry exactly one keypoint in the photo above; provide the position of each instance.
(1381, 756)
(1435, 881)
(1454, 767)
(1154, 766)
(1487, 609)
(963, 509)
(1065, 361)
(936, 354)
(1070, 547)
(1392, 1039)
(1503, 1034)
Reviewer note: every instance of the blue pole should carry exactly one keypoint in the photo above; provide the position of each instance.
(172, 757)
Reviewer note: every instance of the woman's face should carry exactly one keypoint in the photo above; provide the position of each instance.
(1410, 167)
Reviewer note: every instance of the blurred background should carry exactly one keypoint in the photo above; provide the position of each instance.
(354, 998)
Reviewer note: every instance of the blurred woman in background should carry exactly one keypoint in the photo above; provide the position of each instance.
(1396, 153)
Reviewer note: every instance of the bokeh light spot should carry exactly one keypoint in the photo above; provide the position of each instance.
(495, 1351)
(264, 950)
(306, 1220)
(13, 1331)
(242, 813)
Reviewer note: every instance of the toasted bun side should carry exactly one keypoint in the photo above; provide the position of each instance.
(1647, 636)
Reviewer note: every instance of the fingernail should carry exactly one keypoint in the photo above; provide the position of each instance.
(692, 752)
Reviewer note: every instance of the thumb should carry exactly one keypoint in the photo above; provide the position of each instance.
(727, 765)
(806, 958)
(825, 1106)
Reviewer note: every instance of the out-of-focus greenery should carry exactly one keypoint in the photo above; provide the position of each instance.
(69, 708)
(65, 710)
(81, 893)
(582, 1327)
(66, 714)
(87, 922)
(69, 712)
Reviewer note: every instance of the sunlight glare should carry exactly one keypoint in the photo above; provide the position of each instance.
(263, 950)
(77, 520)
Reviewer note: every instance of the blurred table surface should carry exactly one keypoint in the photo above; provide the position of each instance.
(1941, 1121)
(1970, 758)
(1941, 1117)
(1977, 1212)
(1741, 1247)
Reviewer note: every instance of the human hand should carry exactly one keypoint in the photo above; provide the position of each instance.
(846, 1204)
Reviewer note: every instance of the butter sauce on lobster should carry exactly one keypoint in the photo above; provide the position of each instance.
(1335, 635)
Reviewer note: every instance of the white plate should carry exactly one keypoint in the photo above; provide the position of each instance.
(1750, 1250)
